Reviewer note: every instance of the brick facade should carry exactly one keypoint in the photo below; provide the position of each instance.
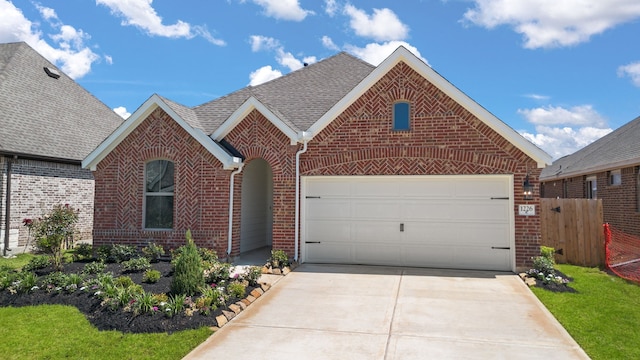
(200, 197)
(620, 203)
(444, 139)
(36, 186)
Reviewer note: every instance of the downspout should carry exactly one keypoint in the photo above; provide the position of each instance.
(7, 208)
(297, 221)
(231, 185)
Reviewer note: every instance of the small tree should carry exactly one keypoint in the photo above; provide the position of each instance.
(54, 232)
(188, 276)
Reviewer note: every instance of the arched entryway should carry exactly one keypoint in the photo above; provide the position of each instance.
(256, 222)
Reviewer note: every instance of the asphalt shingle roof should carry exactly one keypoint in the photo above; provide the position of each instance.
(299, 98)
(619, 146)
(47, 117)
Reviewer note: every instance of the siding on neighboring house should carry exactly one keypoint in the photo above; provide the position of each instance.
(36, 186)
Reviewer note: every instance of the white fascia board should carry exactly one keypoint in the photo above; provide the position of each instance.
(249, 105)
(401, 54)
(593, 170)
(121, 133)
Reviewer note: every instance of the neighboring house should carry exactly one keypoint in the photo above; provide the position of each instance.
(48, 124)
(394, 166)
(606, 169)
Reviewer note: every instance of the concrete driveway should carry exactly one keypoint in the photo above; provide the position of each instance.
(370, 312)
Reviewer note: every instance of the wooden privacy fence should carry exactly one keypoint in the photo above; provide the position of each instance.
(575, 226)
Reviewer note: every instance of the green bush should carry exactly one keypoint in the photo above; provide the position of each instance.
(37, 262)
(54, 232)
(279, 258)
(95, 267)
(120, 253)
(83, 251)
(153, 252)
(547, 252)
(103, 253)
(136, 264)
(188, 274)
(236, 289)
(217, 272)
(252, 274)
(123, 282)
(151, 276)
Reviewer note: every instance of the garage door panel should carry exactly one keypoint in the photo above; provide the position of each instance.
(329, 209)
(375, 232)
(323, 230)
(330, 252)
(433, 221)
(371, 209)
(377, 255)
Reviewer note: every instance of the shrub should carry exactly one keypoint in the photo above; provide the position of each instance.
(151, 276)
(55, 280)
(136, 264)
(123, 282)
(144, 303)
(37, 262)
(208, 256)
(236, 289)
(83, 251)
(175, 304)
(188, 275)
(153, 252)
(120, 253)
(103, 253)
(217, 273)
(279, 258)
(54, 232)
(252, 274)
(547, 252)
(95, 267)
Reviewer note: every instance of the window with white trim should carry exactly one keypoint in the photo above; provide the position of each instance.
(158, 194)
(592, 187)
(401, 111)
(615, 177)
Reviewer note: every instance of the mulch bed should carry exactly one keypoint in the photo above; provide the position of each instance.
(120, 320)
(557, 287)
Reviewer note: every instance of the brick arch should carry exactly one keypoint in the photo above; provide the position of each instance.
(408, 161)
(272, 157)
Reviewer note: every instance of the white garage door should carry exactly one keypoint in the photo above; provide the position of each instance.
(462, 222)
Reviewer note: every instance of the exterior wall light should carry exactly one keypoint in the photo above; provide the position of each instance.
(527, 189)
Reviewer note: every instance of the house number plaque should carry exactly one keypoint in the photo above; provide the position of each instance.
(527, 210)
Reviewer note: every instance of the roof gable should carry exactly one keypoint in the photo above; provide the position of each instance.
(154, 102)
(47, 116)
(403, 55)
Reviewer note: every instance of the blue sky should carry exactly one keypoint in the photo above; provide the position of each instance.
(562, 73)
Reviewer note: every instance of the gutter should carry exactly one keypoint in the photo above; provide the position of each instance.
(305, 137)
(231, 186)
(7, 209)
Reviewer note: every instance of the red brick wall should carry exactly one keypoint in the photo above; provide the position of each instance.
(256, 137)
(445, 139)
(200, 197)
(619, 202)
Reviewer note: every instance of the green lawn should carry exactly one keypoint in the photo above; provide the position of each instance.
(62, 332)
(603, 317)
(17, 261)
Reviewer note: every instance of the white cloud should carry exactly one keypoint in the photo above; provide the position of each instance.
(122, 111)
(330, 7)
(328, 43)
(553, 23)
(561, 131)
(284, 9)
(537, 96)
(582, 115)
(141, 14)
(69, 52)
(109, 59)
(375, 53)
(383, 25)
(259, 42)
(263, 75)
(631, 70)
(287, 59)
